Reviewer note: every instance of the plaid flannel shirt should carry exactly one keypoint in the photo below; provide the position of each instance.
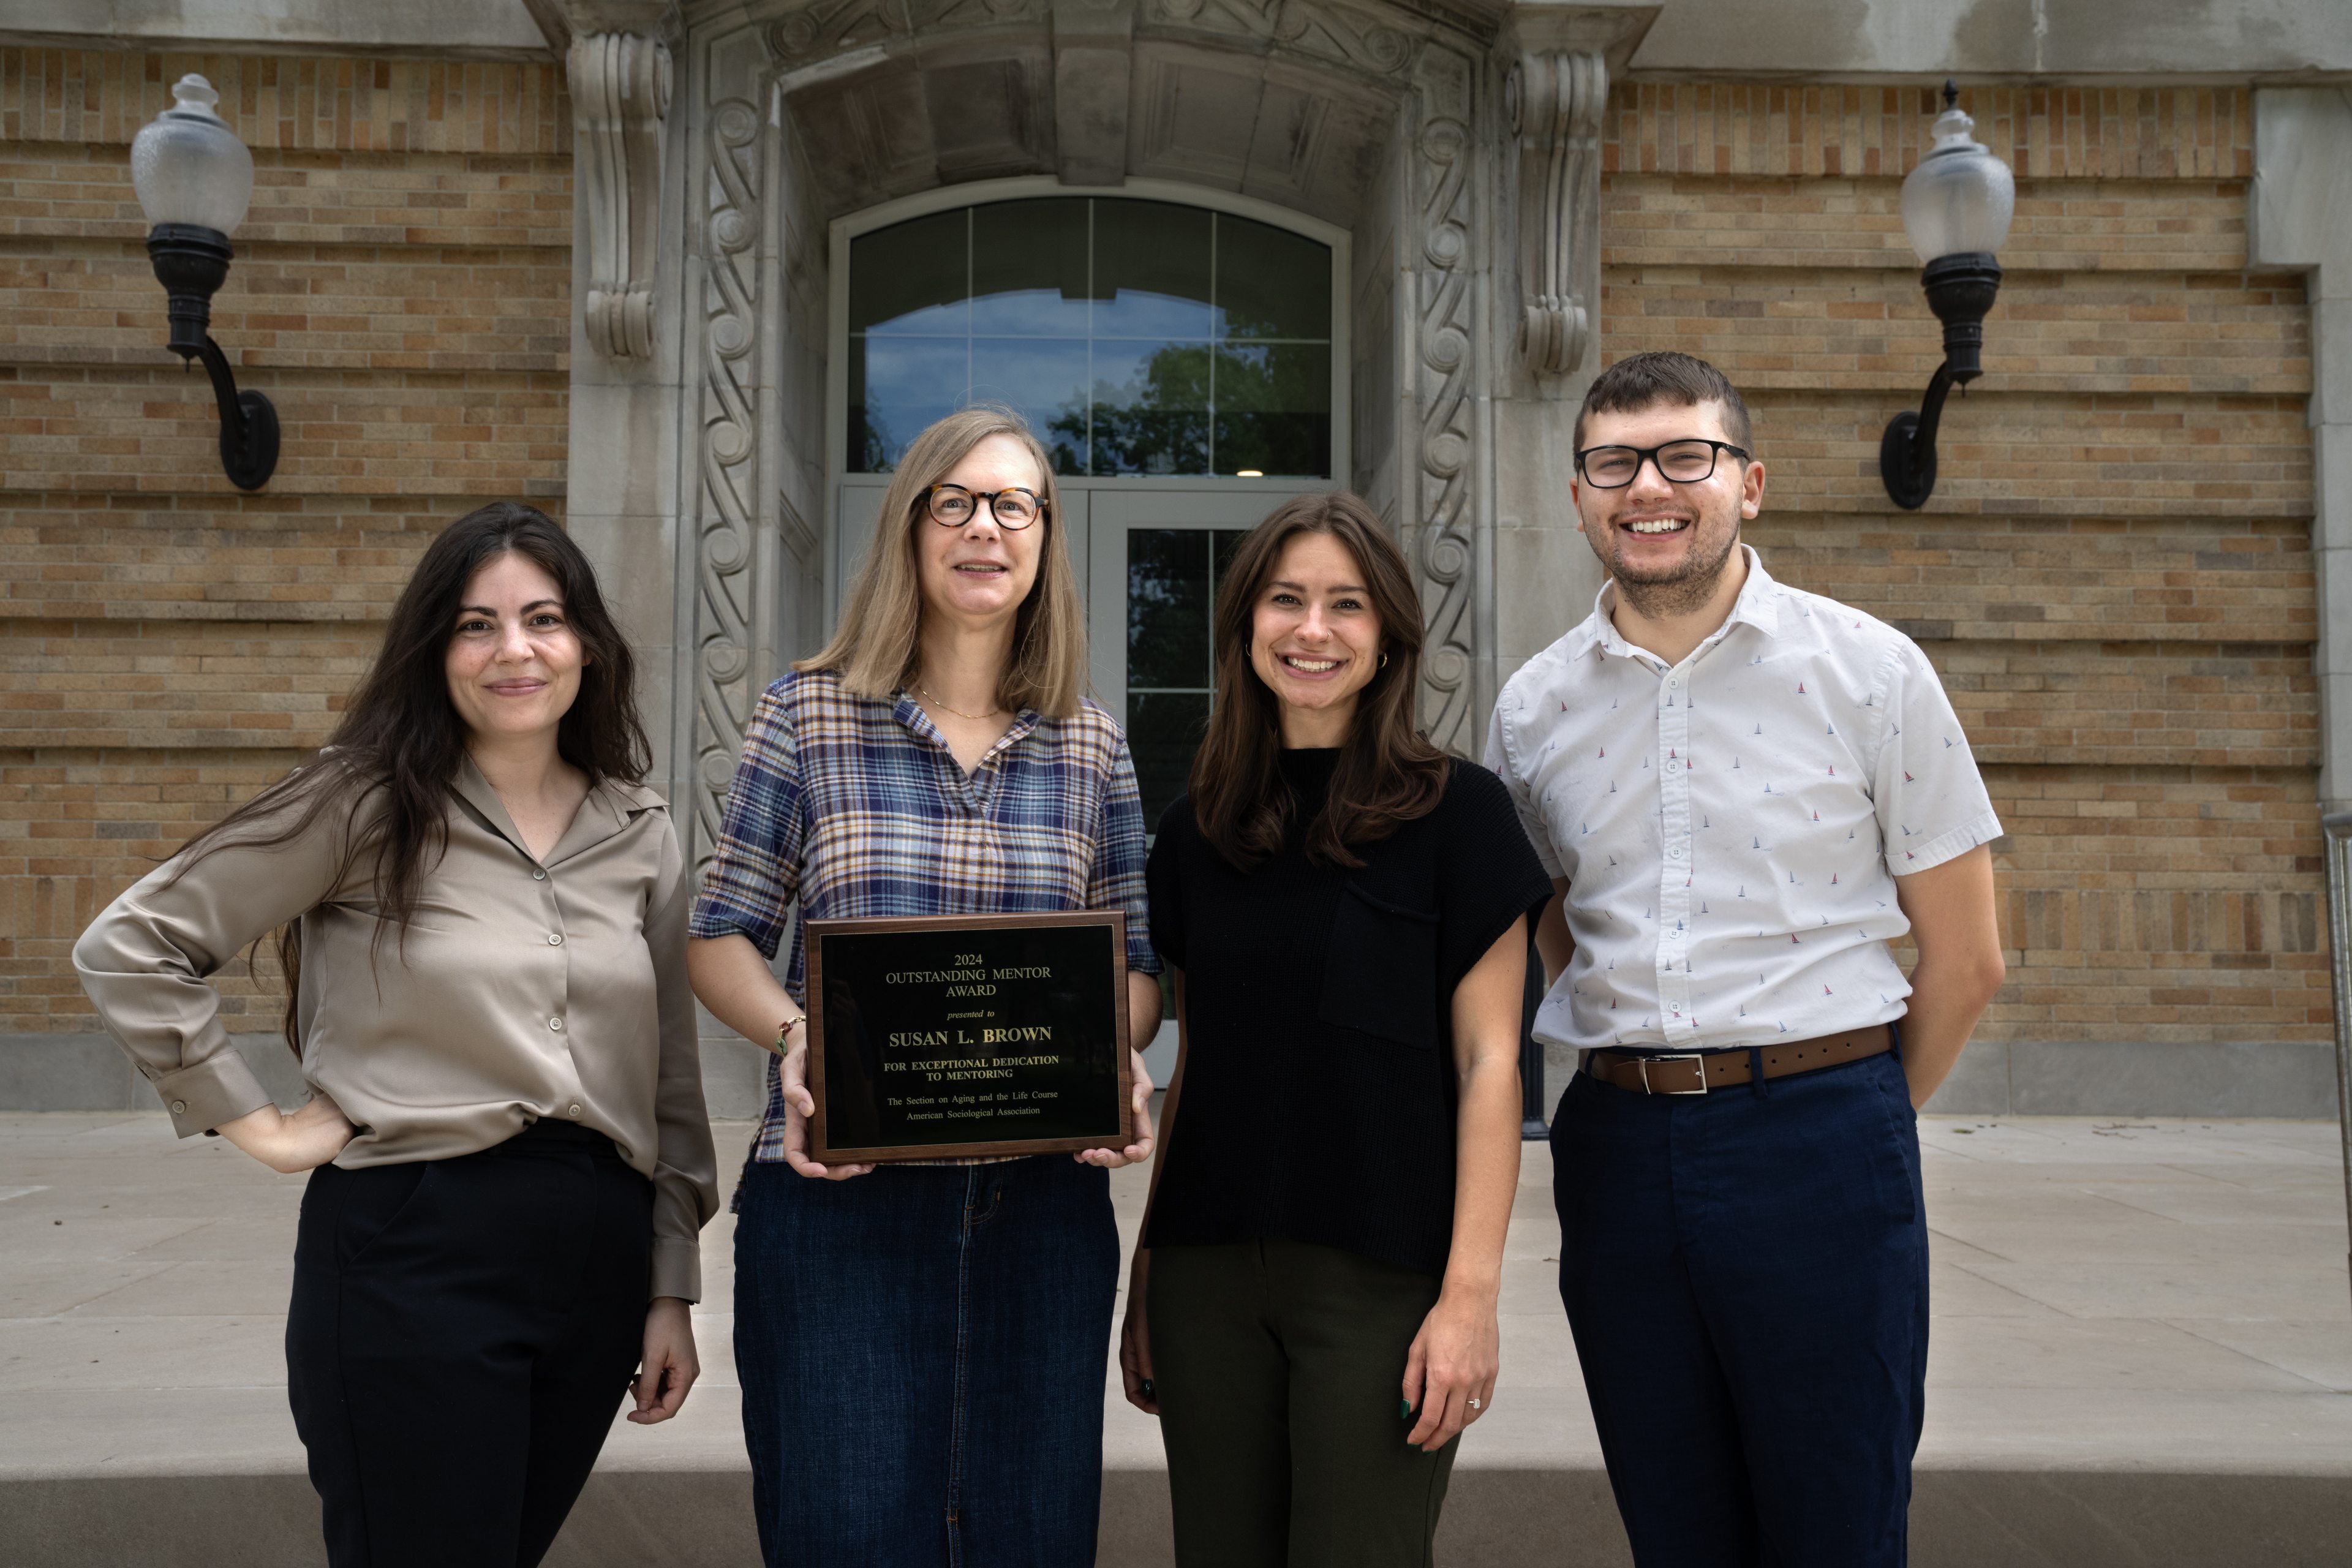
(848, 806)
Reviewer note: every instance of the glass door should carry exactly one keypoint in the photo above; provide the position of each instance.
(1156, 560)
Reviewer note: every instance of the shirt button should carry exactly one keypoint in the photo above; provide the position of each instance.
(538, 875)
(573, 1111)
(554, 939)
(1675, 765)
(1674, 680)
(1674, 851)
(556, 1025)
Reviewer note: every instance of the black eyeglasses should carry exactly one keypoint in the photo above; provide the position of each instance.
(952, 506)
(1679, 462)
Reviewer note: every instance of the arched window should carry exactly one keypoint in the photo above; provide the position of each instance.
(1140, 337)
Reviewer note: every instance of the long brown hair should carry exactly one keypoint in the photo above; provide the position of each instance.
(1388, 774)
(401, 742)
(878, 648)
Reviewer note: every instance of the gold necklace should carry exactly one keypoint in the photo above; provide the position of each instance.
(975, 718)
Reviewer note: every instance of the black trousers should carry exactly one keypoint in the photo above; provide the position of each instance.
(1279, 1366)
(460, 1336)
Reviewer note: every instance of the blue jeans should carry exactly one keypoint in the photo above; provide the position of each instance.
(922, 1352)
(1745, 1274)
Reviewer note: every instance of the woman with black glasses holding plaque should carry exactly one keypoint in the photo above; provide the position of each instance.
(922, 1346)
(1312, 1313)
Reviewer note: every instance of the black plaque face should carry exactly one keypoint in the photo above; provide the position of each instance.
(967, 1035)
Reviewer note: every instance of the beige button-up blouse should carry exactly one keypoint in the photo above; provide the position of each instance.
(521, 989)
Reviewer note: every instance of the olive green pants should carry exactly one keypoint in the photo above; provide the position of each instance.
(1278, 1367)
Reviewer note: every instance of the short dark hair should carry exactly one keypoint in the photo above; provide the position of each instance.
(1647, 380)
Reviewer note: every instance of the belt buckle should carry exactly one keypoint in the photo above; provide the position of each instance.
(1698, 1057)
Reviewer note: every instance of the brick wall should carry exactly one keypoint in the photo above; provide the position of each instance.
(2115, 574)
(402, 293)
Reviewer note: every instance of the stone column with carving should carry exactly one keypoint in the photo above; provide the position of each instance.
(1444, 444)
(1554, 63)
(621, 486)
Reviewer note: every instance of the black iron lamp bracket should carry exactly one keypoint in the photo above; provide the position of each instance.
(1960, 290)
(192, 263)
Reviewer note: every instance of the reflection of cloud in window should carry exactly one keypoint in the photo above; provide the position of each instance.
(1134, 313)
(1037, 376)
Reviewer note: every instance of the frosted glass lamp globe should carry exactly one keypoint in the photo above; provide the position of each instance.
(1960, 199)
(188, 166)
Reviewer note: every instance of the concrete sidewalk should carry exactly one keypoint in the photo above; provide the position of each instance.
(2142, 1354)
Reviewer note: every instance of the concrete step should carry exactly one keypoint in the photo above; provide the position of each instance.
(1494, 1518)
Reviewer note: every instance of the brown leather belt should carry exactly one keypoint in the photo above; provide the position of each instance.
(1692, 1072)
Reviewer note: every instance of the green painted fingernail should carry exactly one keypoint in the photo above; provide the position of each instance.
(1404, 1409)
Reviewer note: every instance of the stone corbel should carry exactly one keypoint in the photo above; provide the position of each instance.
(1553, 100)
(620, 96)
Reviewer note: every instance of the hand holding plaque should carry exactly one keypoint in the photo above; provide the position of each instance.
(952, 1036)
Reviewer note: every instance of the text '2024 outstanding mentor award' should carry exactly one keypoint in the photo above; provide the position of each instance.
(956, 1035)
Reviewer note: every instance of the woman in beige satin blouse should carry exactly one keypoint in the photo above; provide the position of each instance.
(483, 912)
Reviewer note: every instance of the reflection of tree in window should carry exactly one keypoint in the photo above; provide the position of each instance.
(1273, 409)
(1158, 423)
(1199, 410)
(877, 452)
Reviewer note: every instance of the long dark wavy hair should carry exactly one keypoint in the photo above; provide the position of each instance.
(1388, 773)
(398, 748)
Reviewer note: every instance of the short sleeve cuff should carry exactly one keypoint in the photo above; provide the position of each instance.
(677, 1267)
(219, 1088)
(1541, 844)
(1944, 846)
(713, 920)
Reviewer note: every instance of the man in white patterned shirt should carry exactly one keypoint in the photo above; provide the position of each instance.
(1743, 792)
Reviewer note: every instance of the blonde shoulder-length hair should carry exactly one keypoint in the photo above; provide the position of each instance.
(876, 650)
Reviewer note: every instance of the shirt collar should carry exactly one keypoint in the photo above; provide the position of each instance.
(1759, 606)
(910, 716)
(610, 807)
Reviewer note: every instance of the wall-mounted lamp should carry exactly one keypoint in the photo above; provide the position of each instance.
(195, 179)
(1957, 207)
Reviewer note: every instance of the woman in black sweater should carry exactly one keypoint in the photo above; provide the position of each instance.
(1312, 1310)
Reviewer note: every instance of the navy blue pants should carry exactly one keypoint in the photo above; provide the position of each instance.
(1746, 1274)
(922, 1352)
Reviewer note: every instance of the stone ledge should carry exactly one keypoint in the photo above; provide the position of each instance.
(2292, 1078)
(1995, 1078)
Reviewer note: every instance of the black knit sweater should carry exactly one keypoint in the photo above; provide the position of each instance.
(1319, 1093)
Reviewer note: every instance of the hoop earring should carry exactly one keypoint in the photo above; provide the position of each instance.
(1384, 661)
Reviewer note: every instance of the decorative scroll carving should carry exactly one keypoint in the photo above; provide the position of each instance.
(1443, 546)
(620, 95)
(1554, 100)
(826, 27)
(1362, 40)
(1374, 39)
(725, 520)
(832, 27)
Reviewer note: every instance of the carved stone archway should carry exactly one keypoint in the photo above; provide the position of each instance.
(1454, 141)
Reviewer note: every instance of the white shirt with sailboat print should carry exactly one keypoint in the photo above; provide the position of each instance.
(1730, 828)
